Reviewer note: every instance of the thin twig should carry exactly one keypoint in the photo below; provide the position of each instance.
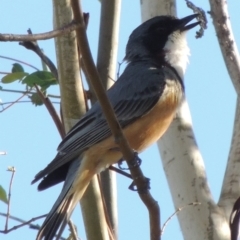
(12, 103)
(27, 92)
(109, 225)
(12, 169)
(128, 154)
(27, 101)
(120, 172)
(16, 60)
(33, 45)
(73, 230)
(24, 223)
(42, 36)
(52, 112)
(175, 213)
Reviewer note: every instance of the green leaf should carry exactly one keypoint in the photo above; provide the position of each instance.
(43, 79)
(12, 77)
(17, 68)
(3, 195)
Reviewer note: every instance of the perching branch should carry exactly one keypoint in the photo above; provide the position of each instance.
(120, 139)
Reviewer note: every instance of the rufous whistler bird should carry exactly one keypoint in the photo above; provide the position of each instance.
(144, 98)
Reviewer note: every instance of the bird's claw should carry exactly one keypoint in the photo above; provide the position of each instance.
(143, 189)
(136, 162)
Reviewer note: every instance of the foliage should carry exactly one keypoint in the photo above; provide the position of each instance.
(42, 79)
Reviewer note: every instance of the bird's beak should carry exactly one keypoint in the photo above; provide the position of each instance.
(184, 21)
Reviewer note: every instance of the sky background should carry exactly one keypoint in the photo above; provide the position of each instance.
(29, 137)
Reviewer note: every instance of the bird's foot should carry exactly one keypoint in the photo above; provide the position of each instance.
(136, 162)
(145, 186)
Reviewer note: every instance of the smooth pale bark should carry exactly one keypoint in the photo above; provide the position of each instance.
(185, 172)
(184, 166)
(231, 183)
(73, 107)
(106, 66)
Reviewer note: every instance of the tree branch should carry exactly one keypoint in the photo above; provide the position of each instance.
(52, 112)
(42, 36)
(10, 169)
(120, 139)
(16, 60)
(221, 21)
(33, 45)
(222, 24)
(106, 66)
(23, 223)
(27, 92)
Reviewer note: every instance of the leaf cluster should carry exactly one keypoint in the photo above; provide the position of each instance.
(41, 79)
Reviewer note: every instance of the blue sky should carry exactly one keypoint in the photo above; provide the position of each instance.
(29, 136)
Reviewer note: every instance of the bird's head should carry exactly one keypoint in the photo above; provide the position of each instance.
(163, 39)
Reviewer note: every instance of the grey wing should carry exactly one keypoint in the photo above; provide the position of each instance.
(134, 94)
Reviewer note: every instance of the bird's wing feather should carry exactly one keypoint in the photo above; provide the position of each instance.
(134, 94)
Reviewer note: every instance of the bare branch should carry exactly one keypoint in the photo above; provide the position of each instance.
(24, 94)
(106, 66)
(24, 223)
(222, 24)
(16, 60)
(221, 21)
(42, 36)
(73, 230)
(175, 213)
(112, 234)
(11, 169)
(120, 139)
(26, 101)
(33, 45)
(52, 112)
(230, 187)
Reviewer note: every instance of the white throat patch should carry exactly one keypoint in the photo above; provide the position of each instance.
(177, 52)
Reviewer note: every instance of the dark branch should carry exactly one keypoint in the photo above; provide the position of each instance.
(128, 154)
(33, 45)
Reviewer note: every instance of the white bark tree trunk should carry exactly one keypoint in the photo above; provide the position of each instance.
(184, 166)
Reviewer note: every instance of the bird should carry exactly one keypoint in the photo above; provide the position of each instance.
(145, 99)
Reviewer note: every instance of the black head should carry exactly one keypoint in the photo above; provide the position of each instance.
(149, 39)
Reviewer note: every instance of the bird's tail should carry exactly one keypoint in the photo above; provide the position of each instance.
(61, 210)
